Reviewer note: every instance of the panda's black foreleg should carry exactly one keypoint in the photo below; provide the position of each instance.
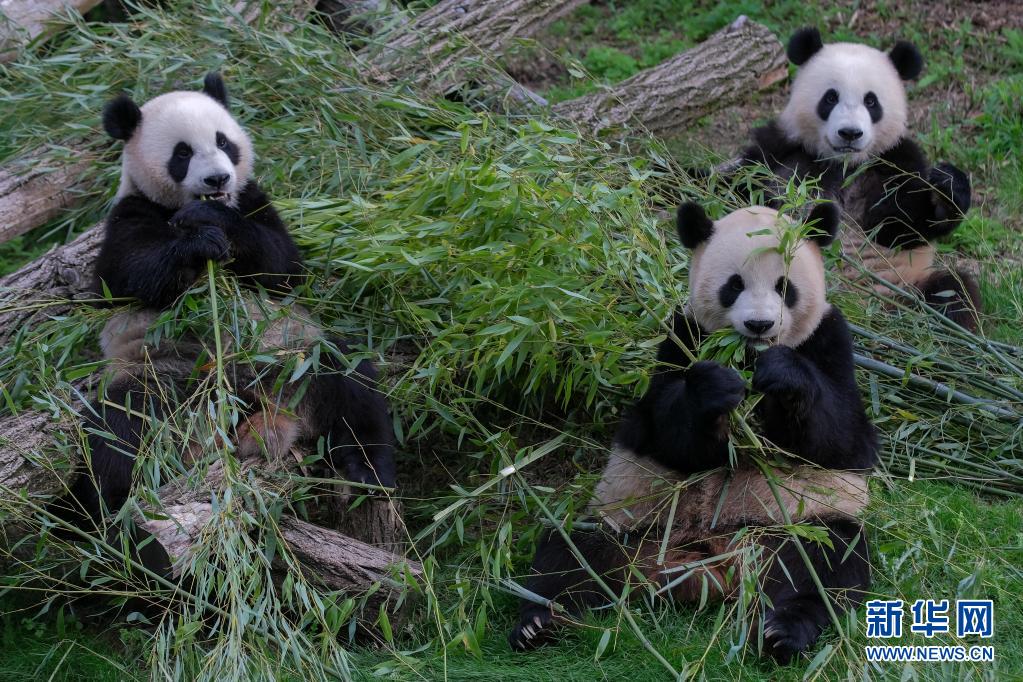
(558, 576)
(812, 406)
(682, 422)
(798, 613)
(352, 413)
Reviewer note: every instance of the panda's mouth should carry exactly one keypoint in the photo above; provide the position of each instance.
(214, 196)
(845, 149)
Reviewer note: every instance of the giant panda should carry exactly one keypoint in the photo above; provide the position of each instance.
(187, 196)
(845, 123)
(677, 438)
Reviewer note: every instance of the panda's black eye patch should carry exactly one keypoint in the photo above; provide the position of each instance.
(827, 103)
(228, 147)
(787, 290)
(873, 106)
(177, 167)
(730, 291)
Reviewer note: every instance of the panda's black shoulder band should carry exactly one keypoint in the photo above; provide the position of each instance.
(803, 44)
(213, 85)
(121, 117)
(825, 218)
(694, 227)
(907, 60)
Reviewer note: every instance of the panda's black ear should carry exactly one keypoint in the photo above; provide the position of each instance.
(825, 219)
(907, 60)
(121, 117)
(803, 44)
(213, 85)
(694, 227)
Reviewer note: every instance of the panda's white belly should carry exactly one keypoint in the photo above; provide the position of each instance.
(637, 492)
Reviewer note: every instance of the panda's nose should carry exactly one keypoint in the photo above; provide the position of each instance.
(216, 181)
(758, 327)
(850, 134)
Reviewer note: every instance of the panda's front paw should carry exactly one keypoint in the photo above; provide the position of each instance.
(197, 214)
(713, 389)
(535, 629)
(780, 372)
(207, 243)
(951, 191)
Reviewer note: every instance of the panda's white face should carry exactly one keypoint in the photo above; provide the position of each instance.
(739, 279)
(187, 146)
(848, 102)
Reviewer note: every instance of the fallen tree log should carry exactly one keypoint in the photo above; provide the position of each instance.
(433, 49)
(32, 193)
(23, 21)
(29, 459)
(328, 558)
(738, 59)
(48, 286)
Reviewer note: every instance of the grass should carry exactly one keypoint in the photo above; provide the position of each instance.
(510, 276)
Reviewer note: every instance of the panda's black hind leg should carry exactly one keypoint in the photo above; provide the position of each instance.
(558, 576)
(103, 482)
(798, 614)
(353, 414)
(955, 294)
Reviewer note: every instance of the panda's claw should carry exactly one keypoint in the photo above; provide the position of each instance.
(532, 631)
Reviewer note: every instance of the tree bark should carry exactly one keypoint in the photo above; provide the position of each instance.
(725, 68)
(22, 21)
(32, 193)
(331, 559)
(29, 462)
(432, 50)
(48, 285)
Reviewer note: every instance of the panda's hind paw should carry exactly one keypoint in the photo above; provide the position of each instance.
(535, 629)
(786, 637)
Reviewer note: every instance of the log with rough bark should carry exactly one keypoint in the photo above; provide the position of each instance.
(47, 286)
(30, 461)
(22, 21)
(335, 559)
(33, 191)
(432, 49)
(742, 57)
(328, 558)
